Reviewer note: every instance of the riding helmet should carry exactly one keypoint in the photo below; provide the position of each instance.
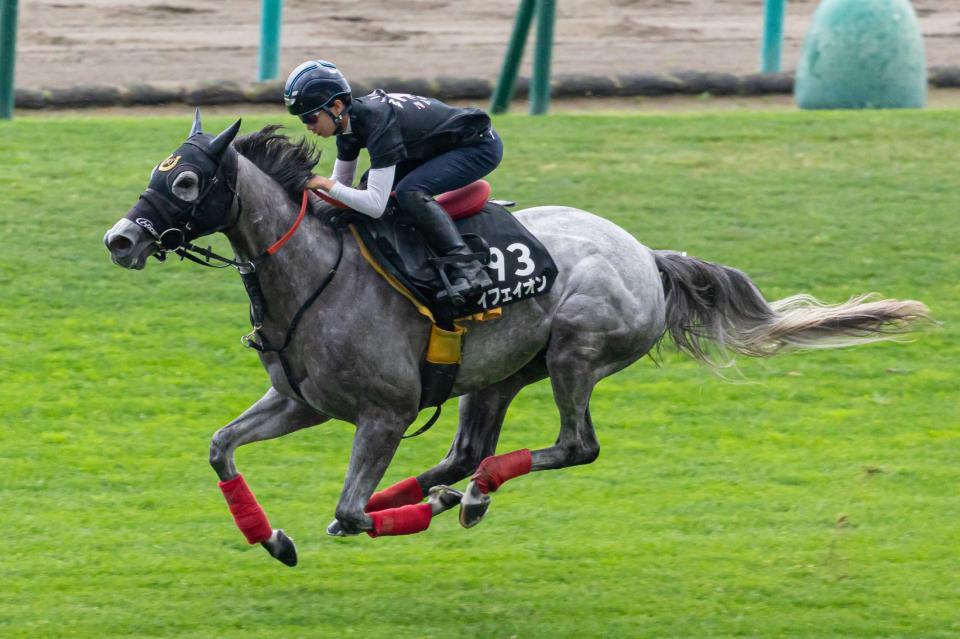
(313, 85)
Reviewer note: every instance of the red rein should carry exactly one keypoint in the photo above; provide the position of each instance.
(293, 229)
(329, 200)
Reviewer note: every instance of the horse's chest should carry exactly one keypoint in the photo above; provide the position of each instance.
(339, 382)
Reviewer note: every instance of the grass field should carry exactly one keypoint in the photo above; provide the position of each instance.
(817, 497)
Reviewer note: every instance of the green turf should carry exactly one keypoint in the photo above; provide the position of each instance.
(818, 499)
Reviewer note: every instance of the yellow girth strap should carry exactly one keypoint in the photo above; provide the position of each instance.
(444, 346)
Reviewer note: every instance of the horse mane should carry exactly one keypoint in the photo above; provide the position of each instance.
(289, 163)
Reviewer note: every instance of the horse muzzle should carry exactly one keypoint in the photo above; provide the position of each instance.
(129, 244)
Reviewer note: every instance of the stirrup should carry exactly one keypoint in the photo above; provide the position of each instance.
(460, 258)
(458, 294)
(457, 297)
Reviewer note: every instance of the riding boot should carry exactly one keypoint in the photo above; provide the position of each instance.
(467, 277)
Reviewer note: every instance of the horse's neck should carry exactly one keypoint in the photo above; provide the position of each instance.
(267, 213)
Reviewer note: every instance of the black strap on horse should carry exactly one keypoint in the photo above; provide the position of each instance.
(430, 422)
(251, 284)
(258, 305)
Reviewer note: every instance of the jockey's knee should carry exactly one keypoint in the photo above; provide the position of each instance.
(410, 198)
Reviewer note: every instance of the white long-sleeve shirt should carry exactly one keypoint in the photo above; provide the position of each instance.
(371, 201)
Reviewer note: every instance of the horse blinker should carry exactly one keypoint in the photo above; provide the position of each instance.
(163, 210)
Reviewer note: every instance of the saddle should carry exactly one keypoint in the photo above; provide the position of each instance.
(517, 262)
(519, 266)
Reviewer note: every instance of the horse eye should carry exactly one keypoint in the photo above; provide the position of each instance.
(185, 186)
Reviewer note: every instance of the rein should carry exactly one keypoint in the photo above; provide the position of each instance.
(190, 251)
(251, 283)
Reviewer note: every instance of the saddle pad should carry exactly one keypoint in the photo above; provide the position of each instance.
(520, 266)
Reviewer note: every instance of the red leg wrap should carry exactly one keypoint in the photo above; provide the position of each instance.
(405, 520)
(402, 493)
(247, 513)
(493, 471)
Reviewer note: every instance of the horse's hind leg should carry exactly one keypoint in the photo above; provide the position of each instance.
(272, 416)
(573, 381)
(481, 417)
(594, 334)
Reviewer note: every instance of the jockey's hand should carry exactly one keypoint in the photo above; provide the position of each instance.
(320, 182)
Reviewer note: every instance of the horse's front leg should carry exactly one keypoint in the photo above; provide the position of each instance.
(272, 416)
(378, 435)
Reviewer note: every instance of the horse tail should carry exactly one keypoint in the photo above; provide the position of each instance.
(717, 310)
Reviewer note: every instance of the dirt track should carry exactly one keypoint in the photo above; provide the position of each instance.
(70, 42)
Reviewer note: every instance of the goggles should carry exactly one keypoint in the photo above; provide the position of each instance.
(310, 118)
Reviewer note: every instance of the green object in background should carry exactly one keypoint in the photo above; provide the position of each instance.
(540, 85)
(772, 35)
(269, 39)
(511, 59)
(8, 56)
(862, 54)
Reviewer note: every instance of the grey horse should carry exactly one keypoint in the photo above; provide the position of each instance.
(356, 353)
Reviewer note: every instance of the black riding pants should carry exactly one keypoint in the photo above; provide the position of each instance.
(451, 170)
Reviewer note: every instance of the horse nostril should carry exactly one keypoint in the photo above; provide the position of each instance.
(120, 244)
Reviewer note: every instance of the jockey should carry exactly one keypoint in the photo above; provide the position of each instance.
(419, 147)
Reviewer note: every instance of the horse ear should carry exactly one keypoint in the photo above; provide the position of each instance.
(222, 141)
(196, 130)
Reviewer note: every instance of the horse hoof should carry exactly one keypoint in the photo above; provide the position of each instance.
(473, 506)
(281, 548)
(443, 498)
(336, 530)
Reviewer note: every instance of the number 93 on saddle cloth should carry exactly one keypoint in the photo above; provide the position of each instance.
(517, 262)
(519, 266)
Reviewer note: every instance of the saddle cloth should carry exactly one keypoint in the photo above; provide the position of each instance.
(519, 265)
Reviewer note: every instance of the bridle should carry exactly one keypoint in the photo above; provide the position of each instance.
(180, 221)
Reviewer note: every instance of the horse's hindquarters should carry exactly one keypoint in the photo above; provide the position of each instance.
(607, 293)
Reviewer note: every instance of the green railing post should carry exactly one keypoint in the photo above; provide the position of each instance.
(8, 56)
(503, 93)
(772, 35)
(269, 39)
(540, 84)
